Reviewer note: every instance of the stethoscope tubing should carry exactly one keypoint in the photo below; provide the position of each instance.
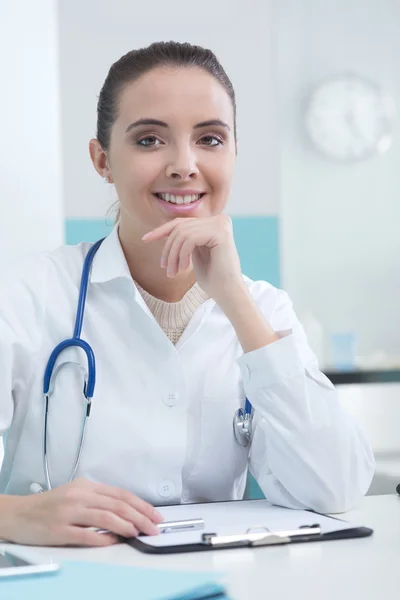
(242, 419)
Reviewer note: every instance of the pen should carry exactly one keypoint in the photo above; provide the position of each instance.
(184, 525)
(169, 526)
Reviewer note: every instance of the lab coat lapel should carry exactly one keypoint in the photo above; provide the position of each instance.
(197, 320)
(194, 324)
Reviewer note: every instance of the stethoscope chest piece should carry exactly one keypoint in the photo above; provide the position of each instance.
(242, 427)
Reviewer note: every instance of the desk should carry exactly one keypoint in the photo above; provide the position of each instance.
(364, 376)
(359, 569)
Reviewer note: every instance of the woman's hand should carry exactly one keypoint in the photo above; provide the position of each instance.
(62, 517)
(206, 242)
(209, 243)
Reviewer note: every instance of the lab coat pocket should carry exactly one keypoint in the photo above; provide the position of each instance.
(220, 469)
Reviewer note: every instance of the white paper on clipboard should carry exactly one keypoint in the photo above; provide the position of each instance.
(224, 518)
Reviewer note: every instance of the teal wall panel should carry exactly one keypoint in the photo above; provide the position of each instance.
(256, 238)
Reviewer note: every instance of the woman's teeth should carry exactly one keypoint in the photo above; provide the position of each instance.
(179, 199)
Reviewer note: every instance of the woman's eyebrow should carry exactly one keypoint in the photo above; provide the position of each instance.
(146, 122)
(209, 123)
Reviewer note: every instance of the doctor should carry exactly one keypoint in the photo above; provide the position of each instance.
(180, 337)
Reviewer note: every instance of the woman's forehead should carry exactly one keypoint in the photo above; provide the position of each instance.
(168, 93)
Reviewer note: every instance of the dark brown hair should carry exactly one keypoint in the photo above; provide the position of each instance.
(138, 62)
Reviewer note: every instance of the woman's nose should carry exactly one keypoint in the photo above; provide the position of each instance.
(183, 166)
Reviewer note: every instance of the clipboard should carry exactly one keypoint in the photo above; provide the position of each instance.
(245, 523)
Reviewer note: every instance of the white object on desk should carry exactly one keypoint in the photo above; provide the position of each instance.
(225, 518)
(16, 562)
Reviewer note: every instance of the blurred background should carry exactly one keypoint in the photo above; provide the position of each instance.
(315, 204)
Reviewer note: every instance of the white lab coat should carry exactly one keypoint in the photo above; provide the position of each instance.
(161, 420)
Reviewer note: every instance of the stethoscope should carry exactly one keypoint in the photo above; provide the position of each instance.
(241, 422)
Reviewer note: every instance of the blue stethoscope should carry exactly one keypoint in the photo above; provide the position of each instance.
(242, 420)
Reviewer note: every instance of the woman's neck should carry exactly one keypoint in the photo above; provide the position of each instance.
(144, 265)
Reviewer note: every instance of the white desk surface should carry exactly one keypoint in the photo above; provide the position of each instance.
(364, 568)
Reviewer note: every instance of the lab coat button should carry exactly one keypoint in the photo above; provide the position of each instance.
(171, 399)
(185, 496)
(166, 489)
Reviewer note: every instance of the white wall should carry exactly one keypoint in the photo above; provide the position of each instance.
(30, 162)
(95, 33)
(377, 408)
(340, 223)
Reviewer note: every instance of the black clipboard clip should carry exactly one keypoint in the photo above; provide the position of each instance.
(265, 538)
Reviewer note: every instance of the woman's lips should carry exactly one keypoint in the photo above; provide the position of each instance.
(173, 208)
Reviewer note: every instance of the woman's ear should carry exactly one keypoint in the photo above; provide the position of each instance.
(100, 159)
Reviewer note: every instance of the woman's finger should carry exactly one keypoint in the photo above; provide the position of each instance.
(159, 232)
(164, 230)
(104, 519)
(185, 254)
(167, 248)
(173, 255)
(186, 229)
(123, 510)
(82, 536)
(194, 233)
(134, 501)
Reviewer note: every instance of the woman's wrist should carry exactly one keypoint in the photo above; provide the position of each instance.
(9, 506)
(252, 329)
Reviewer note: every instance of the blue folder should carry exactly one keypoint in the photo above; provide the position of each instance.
(79, 580)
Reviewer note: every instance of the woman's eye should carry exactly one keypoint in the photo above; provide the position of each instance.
(150, 140)
(211, 140)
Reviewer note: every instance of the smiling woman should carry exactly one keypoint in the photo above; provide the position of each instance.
(167, 140)
(215, 365)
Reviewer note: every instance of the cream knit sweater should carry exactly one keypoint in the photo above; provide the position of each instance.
(173, 317)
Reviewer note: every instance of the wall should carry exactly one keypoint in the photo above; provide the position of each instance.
(95, 33)
(340, 240)
(377, 409)
(30, 166)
